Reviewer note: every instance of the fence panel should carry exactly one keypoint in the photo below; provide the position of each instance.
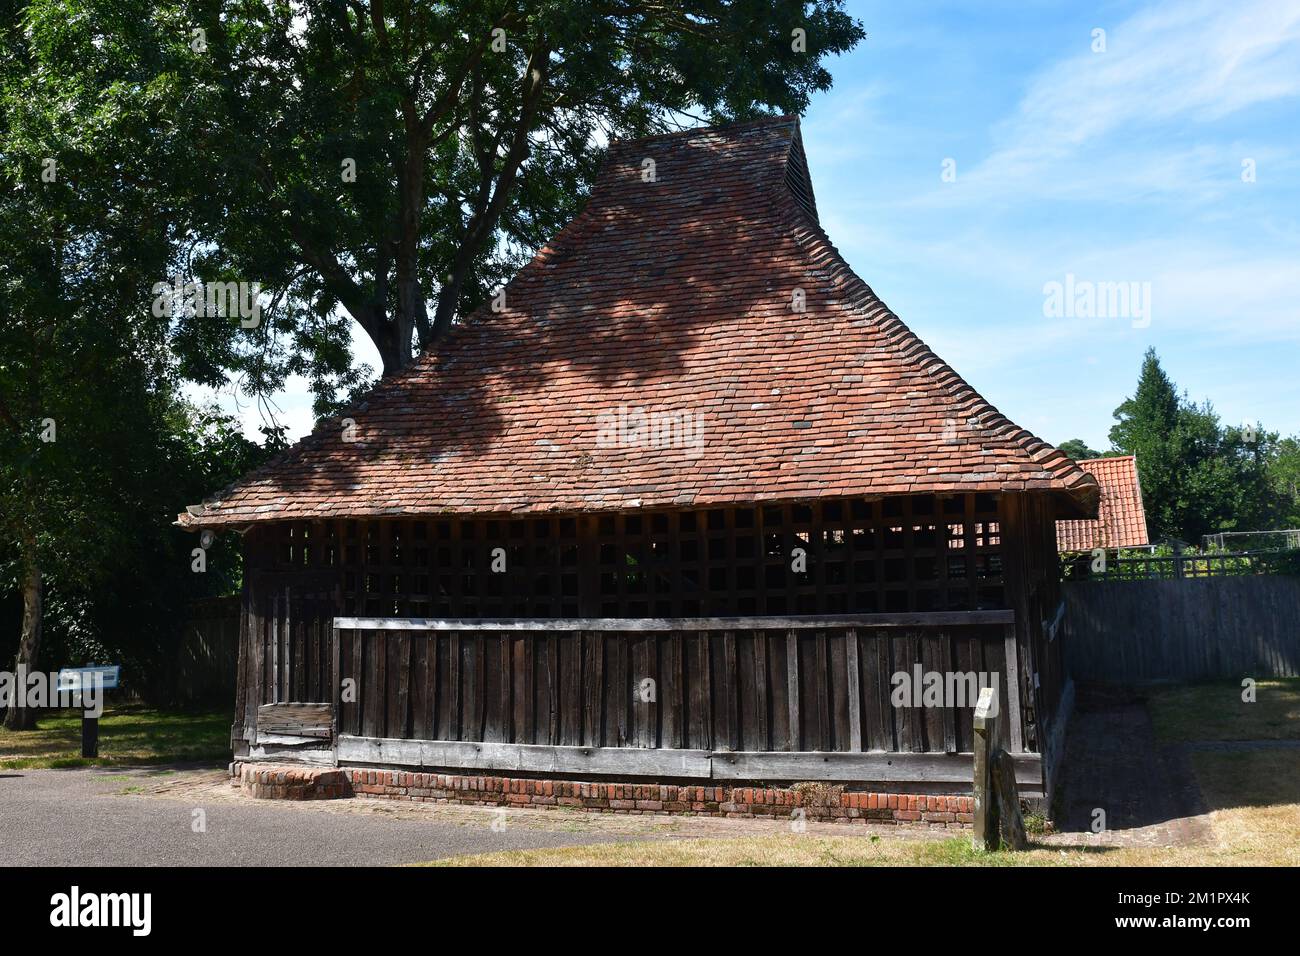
(205, 662)
(755, 685)
(1189, 629)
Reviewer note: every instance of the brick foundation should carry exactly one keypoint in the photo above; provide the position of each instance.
(293, 783)
(817, 801)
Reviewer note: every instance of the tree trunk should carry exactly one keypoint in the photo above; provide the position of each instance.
(29, 644)
(392, 339)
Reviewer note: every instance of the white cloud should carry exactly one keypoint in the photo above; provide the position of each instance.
(1177, 64)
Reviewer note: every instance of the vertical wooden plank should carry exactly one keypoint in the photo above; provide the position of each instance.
(644, 696)
(519, 662)
(905, 718)
(275, 648)
(242, 661)
(587, 646)
(932, 662)
(671, 692)
(322, 644)
(434, 679)
(552, 685)
(821, 677)
(286, 689)
(478, 713)
(419, 687)
(950, 665)
(879, 716)
(763, 738)
(371, 690)
(570, 689)
(336, 680)
(400, 708)
(618, 687)
(455, 721)
(359, 693)
(729, 691)
(704, 657)
(1013, 689)
(256, 675)
(380, 692)
(837, 690)
(298, 641)
(854, 691)
(505, 674)
(792, 683)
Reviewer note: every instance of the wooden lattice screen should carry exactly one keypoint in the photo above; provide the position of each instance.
(904, 553)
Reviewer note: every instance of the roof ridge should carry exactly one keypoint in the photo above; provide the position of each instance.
(728, 127)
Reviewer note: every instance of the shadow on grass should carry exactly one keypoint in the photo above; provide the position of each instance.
(130, 735)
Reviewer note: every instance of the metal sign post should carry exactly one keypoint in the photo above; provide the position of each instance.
(76, 680)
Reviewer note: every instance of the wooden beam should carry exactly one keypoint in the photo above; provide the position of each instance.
(533, 758)
(863, 767)
(695, 764)
(797, 622)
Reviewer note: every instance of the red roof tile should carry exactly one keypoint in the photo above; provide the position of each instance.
(1121, 520)
(672, 295)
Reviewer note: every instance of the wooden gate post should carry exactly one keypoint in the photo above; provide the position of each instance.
(997, 819)
(987, 744)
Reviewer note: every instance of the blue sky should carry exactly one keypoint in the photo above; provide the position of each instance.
(1117, 166)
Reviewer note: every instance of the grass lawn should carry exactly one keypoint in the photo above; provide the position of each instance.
(1215, 711)
(128, 734)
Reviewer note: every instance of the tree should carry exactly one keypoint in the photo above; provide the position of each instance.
(398, 160)
(91, 436)
(1284, 476)
(1145, 425)
(1077, 449)
(1197, 476)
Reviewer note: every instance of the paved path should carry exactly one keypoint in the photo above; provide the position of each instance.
(140, 817)
(87, 817)
(1113, 763)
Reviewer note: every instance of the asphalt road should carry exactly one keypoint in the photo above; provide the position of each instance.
(82, 817)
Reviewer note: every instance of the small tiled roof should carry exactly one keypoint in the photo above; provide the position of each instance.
(697, 289)
(1121, 521)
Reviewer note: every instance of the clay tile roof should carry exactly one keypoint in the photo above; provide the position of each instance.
(690, 338)
(1121, 520)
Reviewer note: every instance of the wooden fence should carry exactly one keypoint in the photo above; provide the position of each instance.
(738, 698)
(1189, 629)
(203, 668)
(1142, 567)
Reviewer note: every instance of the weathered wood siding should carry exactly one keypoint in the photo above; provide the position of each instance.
(1191, 629)
(739, 700)
(751, 688)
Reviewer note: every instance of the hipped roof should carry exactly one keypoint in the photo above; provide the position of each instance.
(1121, 520)
(695, 290)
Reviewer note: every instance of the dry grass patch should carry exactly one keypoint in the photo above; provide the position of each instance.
(1254, 799)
